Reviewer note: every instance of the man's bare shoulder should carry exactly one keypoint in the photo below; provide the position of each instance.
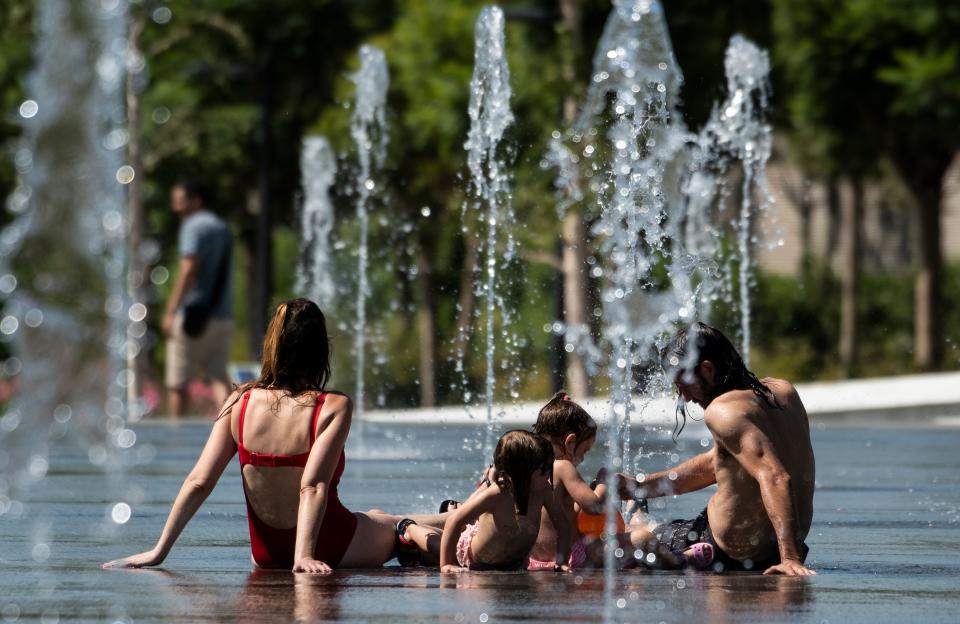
(779, 386)
(730, 412)
(730, 405)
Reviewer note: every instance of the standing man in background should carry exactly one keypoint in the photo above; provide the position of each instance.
(197, 322)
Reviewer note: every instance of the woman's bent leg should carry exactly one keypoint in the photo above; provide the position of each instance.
(435, 521)
(373, 542)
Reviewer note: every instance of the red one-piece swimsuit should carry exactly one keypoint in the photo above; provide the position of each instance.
(273, 547)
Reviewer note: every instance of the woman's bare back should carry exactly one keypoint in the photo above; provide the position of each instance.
(276, 424)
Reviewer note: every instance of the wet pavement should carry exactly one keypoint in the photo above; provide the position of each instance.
(885, 541)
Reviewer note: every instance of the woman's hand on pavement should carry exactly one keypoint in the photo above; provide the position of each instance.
(308, 565)
(143, 560)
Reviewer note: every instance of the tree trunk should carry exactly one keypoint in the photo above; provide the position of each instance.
(923, 170)
(573, 253)
(427, 324)
(928, 347)
(834, 216)
(833, 227)
(575, 299)
(264, 257)
(136, 270)
(249, 240)
(852, 232)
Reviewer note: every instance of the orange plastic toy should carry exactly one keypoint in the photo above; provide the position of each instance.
(593, 525)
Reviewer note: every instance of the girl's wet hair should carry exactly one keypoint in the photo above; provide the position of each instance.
(561, 416)
(520, 454)
(709, 343)
(296, 351)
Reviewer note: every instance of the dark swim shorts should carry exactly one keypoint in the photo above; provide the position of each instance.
(680, 534)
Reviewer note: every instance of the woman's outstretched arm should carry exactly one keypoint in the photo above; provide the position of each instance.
(217, 453)
(315, 483)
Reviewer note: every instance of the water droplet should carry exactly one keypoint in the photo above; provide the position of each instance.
(120, 513)
(137, 312)
(116, 139)
(29, 109)
(159, 275)
(12, 366)
(23, 159)
(160, 115)
(621, 603)
(126, 438)
(112, 220)
(162, 15)
(8, 283)
(62, 413)
(40, 552)
(97, 455)
(125, 174)
(38, 466)
(33, 318)
(9, 325)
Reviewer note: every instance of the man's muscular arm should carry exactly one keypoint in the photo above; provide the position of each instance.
(752, 449)
(694, 474)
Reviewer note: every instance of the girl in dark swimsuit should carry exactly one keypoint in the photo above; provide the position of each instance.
(290, 435)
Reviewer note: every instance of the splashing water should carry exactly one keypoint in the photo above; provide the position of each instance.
(567, 184)
(737, 131)
(62, 259)
(634, 67)
(657, 228)
(488, 196)
(318, 167)
(368, 127)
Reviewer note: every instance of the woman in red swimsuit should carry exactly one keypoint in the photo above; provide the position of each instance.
(290, 436)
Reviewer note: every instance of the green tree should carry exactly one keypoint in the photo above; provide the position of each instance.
(880, 78)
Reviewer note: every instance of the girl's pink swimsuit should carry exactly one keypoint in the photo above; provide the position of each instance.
(273, 547)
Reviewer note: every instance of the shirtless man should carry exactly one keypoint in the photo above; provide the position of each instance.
(762, 461)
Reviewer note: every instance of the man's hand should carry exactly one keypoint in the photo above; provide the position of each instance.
(789, 568)
(143, 560)
(311, 566)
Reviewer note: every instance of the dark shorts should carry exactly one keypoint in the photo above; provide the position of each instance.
(680, 534)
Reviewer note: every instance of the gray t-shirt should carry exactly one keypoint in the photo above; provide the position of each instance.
(207, 237)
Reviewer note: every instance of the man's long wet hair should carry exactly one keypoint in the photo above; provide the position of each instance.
(709, 343)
